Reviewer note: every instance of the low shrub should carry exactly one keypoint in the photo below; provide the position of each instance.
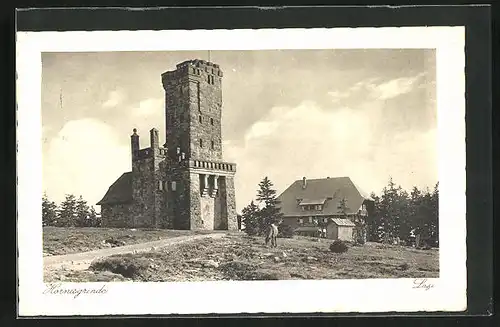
(338, 246)
(286, 231)
(126, 266)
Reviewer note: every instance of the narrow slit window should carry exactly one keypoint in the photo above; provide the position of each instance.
(201, 143)
(173, 185)
(199, 119)
(213, 145)
(211, 121)
(160, 185)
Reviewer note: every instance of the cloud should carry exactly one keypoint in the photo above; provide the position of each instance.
(375, 89)
(114, 98)
(395, 87)
(311, 141)
(147, 107)
(84, 158)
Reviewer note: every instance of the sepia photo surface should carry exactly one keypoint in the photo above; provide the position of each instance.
(252, 167)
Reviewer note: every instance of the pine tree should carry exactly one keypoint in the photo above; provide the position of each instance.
(82, 213)
(250, 218)
(67, 214)
(94, 220)
(434, 219)
(374, 220)
(342, 207)
(49, 211)
(270, 212)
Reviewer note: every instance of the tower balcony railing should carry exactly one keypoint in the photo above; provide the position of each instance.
(213, 165)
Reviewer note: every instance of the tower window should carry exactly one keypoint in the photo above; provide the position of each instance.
(160, 185)
(199, 119)
(213, 145)
(211, 121)
(201, 143)
(209, 79)
(173, 185)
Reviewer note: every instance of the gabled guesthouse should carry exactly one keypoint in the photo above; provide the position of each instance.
(334, 208)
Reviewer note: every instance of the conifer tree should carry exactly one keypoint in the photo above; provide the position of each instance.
(49, 211)
(250, 218)
(342, 207)
(270, 212)
(68, 212)
(94, 221)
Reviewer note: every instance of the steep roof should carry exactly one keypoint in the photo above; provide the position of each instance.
(334, 189)
(120, 191)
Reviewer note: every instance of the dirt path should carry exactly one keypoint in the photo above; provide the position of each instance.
(81, 261)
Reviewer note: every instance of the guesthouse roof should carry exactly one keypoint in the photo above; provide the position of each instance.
(332, 190)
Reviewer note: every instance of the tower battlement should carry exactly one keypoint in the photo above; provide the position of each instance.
(195, 68)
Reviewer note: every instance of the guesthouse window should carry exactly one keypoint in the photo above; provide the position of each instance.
(310, 220)
(301, 221)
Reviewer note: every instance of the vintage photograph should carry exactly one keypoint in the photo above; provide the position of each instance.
(167, 166)
(294, 163)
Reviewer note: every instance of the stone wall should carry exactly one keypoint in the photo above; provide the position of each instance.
(195, 218)
(228, 207)
(206, 104)
(117, 215)
(193, 97)
(178, 201)
(207, 205)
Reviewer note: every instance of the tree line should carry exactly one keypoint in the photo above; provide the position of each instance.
(405, 216)
(72, 212)
(398, 215)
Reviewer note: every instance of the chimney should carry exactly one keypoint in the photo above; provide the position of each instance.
(154, 138)
(304, 182)
(134, 142)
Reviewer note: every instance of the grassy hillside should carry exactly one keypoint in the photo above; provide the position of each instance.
(239, 257)
(64, 240)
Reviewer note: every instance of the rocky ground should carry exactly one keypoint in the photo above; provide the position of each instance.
(240, 257)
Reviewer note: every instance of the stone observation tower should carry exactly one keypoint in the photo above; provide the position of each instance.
(184, 184)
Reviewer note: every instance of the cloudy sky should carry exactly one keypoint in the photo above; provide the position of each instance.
(366, 114)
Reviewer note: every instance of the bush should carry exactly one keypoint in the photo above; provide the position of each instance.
(127, 266)
(286, 231)
(338, 246)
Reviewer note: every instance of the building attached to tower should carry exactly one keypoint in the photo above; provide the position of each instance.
(184, 184)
